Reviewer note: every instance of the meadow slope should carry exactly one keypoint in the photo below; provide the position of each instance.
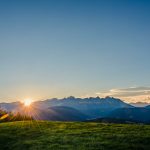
(44, 135)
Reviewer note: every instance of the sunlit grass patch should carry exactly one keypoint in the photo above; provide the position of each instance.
(73, 135)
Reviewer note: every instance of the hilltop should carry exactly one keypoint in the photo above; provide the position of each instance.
(37, 135)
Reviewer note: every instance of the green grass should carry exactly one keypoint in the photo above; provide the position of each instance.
(73, 136)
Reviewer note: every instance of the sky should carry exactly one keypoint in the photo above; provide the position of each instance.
(58, 48)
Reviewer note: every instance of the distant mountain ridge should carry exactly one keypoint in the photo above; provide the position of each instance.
(71, 101)
(140, 104)
(93, 107)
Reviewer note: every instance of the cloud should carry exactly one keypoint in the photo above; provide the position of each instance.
(131, 94)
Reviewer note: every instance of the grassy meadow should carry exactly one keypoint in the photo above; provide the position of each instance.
(44, 135)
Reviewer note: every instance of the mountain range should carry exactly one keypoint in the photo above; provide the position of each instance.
(81, 109)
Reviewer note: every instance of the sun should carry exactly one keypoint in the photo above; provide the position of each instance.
(27, 102)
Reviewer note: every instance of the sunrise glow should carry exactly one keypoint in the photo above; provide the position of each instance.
(27, 102)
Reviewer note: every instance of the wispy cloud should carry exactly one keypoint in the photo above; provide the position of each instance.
(131, 94)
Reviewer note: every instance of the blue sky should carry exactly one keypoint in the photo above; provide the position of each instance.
(58, 48)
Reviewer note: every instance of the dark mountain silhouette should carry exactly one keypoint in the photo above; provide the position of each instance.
(148, 107)
(57, 113)
(139, 104)
(112, 120)
(135, 114)
(64, 113)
